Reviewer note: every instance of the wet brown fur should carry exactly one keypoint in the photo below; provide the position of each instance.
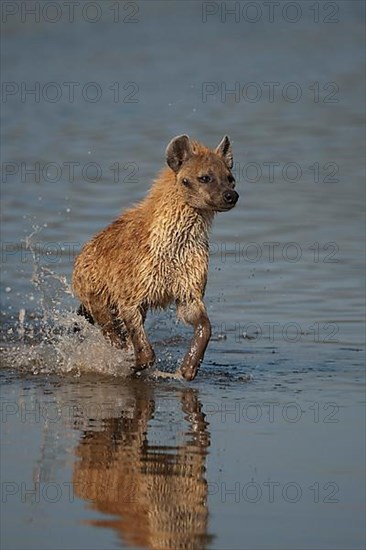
(156, 253)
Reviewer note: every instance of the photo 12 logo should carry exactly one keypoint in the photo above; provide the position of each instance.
(291, 492)
(272, 171)
(70, 171)
(253, 412)
(274, 251)
(68, 11)
(270, 12)
(270, 92)
(69, 92)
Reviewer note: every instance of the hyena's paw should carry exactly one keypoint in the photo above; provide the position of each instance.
(188, 371)
(144, 359)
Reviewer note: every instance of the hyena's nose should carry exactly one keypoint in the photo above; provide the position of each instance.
(230, 197)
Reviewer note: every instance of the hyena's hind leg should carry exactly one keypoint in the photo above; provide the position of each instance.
(83, 312)
(113, 328)
(134, 321)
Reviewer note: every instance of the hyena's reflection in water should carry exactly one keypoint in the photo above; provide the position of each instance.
(158, 492)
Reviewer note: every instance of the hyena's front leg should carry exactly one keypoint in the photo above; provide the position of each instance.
(194, 313)
(144, 354)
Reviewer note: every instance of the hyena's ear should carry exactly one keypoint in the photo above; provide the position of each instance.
(178, 151)
(225, 151)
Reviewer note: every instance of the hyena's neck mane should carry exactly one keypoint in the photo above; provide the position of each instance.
(175, 225)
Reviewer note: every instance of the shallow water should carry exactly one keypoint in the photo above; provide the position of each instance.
(265, 449)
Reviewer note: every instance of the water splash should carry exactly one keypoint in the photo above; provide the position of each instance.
(44, 341)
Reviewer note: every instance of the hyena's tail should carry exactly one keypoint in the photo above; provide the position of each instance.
(84, 313)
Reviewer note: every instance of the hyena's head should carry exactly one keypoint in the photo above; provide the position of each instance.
(204, 175)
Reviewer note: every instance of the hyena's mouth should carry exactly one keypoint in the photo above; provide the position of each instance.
(224, 208)
(230, 200)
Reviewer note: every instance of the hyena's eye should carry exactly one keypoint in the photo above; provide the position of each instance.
(205, 179)
(231, 179)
